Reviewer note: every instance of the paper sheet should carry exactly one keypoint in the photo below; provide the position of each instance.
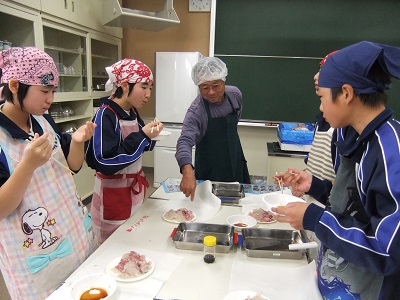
(205, 204)
(276, 283)
(165, 265)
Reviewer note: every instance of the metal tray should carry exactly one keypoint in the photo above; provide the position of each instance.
(189, 236)
(271, 243)
(229, 193)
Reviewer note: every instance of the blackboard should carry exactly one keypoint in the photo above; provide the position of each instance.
(272, 49)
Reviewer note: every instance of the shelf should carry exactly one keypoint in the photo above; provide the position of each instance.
(73, 118)
(73, 51)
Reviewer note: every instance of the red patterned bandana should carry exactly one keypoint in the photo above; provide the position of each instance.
(127, 70)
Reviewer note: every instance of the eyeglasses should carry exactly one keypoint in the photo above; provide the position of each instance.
(214, 86)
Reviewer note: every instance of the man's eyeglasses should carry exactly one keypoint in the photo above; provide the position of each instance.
(207, 88)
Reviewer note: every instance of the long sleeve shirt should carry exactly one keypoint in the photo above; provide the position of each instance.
(374, 245)
(196, 121)
(106, 151)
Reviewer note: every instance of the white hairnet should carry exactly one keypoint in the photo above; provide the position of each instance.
(209, 69)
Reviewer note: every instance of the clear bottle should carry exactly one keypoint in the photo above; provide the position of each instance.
(210, 243)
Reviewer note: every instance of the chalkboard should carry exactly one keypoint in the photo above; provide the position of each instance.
(272, 49)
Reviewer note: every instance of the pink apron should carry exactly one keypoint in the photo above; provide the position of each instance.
(44, 240)
(119, 196)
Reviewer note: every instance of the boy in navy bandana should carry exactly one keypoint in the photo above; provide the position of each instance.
(359, 256)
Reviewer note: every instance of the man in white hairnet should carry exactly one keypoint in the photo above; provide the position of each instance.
(210, 124)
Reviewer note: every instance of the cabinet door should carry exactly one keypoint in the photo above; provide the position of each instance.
(68, 50)
(19, 28)
(30, 3)
(62, 9)
(104, 53)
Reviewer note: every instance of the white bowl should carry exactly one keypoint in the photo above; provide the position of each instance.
(235, 220)
(278, 199)
(98, 280)
(162, 136)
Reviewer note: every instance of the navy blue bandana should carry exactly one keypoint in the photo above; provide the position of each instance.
(352, 64)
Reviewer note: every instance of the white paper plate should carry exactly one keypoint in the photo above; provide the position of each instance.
(279, 199)
(162, 136)
(259, 222)
(111, 270)
(241, 295)
(175, 221)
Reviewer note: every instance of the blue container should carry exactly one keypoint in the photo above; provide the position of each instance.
(296, 133)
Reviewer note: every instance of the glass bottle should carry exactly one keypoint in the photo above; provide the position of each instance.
(210, 243)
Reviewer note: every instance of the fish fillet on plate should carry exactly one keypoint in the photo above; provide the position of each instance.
(179, 215)
(262, 216)
(131, 266)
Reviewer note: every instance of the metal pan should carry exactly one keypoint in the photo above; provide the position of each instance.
(189, 236)
(272, 243)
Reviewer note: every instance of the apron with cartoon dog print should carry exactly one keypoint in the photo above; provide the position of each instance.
(49, 235)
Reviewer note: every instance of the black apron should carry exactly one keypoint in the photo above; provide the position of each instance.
(219, 155)
(338, 278)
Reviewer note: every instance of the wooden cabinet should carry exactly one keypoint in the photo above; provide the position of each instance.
(81, 54)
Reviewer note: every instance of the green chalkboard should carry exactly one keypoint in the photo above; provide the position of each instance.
(273, 47)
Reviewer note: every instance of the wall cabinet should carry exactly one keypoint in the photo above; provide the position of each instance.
(80, 53)
(19, 27)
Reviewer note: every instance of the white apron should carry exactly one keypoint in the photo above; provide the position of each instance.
(44, 240)
(119, 196)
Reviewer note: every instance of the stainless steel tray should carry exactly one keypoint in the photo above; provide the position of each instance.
(189, 236)
(228, 192)
(271, 243)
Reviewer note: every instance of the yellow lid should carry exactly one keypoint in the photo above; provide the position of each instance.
(210, 240)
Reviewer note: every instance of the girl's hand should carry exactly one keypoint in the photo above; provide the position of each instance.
(153, 129)
(38, 151)
(84, 133)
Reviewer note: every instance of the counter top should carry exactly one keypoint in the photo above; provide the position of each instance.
(275, 150)
(192, 279)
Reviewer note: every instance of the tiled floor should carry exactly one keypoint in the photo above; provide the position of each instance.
(150, 178)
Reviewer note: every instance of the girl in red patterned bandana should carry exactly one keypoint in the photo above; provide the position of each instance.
(116, 148)
(45, 231)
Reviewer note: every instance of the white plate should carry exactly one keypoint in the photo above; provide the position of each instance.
(259, 222)
(111, 270)
(175, 221)
(162, 136)
(241, 295)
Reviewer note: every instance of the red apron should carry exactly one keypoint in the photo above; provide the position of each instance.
(119, 196)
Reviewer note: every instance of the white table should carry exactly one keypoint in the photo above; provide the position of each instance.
(193, 279)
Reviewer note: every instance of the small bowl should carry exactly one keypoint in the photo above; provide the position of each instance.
(278, 199)
(98, 280)
(162, 136)
(241, 221)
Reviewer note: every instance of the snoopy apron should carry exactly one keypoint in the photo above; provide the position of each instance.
(119, 196)
(219, 155)
(45, 239)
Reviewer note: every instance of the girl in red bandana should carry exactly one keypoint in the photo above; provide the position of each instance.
(116, 148)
